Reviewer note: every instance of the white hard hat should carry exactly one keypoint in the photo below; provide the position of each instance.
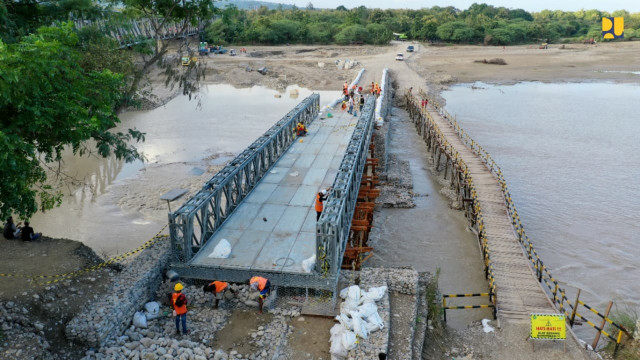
(323, 192)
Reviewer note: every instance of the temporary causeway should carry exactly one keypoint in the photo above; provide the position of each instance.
(515, 289)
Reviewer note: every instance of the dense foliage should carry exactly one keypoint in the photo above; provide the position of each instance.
(480, 23)
(61, 88)
(51, 98)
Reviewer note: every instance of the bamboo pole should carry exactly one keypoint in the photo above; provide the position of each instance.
(604, 322)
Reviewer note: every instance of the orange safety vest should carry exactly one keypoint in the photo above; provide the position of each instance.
(180, 310)
(262, 282)
(220, 285)
(319, 205)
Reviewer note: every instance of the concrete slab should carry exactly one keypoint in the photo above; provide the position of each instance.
(242, 218)
(261, 193)
(303, 248)
(282, 194)
(292, 220)
(276, 174)
(315, 176)
(246, 250)
(322, 161)
(232, 236)
(305, 196)
(305, 160)
(310, 222)
(270, 212)
(295, 176)
(272, 257)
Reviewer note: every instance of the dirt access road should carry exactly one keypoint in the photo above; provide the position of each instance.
(314, 67)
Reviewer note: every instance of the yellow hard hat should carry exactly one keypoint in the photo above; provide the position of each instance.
(178, 287)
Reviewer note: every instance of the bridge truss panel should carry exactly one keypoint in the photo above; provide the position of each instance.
(195, 222)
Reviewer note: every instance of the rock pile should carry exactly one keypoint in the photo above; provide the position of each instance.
(402, 280)
(110, 315)
(160, 341)
(22, 339)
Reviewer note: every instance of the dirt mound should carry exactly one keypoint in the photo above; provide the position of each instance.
(496, 61)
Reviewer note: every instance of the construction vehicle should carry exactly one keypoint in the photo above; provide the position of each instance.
(203, 49)
(544, 46)
(186, 60)
(218, 49)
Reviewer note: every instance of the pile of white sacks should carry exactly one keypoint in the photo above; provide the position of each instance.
(358, 317)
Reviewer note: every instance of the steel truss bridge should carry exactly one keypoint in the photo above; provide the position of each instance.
(262, 182)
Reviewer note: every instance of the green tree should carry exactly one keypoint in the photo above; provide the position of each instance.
(49, 102)
(352, 34)
(456, 31)
(379, 34)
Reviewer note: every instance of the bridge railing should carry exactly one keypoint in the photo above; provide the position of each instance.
(552, 287)
(332, 229)
(195, 222)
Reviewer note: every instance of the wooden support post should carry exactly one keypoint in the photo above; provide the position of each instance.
(575, 309)
(604, 322)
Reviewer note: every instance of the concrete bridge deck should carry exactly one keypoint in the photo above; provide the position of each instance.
(518, 291)
(274, 228)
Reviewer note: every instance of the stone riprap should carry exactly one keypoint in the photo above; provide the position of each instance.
(402, 280)
(422, 315)
(160, 341)
(109, 316)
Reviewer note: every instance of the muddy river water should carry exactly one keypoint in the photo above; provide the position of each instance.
(571, 156)
(118, 208)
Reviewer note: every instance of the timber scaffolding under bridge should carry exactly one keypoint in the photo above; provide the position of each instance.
(262, 203)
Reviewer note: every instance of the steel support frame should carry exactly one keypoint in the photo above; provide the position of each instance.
(195, 222)
(334, 225)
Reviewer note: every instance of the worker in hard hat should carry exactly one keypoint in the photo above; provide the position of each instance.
(320, 198)
(301, 130)
(179, 302)
(258, 283)
(217, 288)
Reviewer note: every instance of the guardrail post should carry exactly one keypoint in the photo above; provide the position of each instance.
(555, 294)
(444, 308)
(604, 322)
(575, 309)
(540, 266)
(615, 350)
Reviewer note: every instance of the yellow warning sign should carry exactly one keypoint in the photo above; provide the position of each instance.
(548, 327)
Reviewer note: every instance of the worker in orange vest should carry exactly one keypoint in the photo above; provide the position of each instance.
(301, 130)
(179, 302)
(217, 288)
(320, 198)
(258, 283)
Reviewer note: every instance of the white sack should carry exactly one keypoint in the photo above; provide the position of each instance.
(359, 326)
(367, 309)
(222, 250)
(349, 340)
(309, 264)
(376, 320)
(152, 310)
(376, 293)
(139, 320)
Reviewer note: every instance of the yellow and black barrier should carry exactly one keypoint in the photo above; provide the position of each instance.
(446, 307)
(60, 277)
(542, 273)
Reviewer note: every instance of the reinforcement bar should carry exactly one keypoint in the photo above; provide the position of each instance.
(195, 222)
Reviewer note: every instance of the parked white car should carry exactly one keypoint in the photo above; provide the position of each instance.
(399, 57)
